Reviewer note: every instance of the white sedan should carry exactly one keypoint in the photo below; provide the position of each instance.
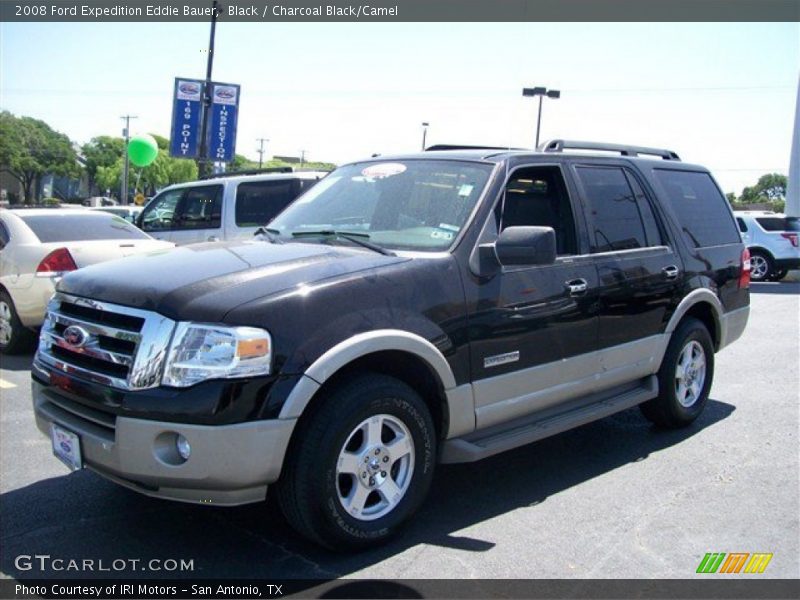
(37, 246)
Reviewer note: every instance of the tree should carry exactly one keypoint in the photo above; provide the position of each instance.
(29, 148)
(101, 151)
(773, 186)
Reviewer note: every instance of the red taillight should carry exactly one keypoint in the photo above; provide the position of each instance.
(55, 263)
(744, 276)
(792, 237)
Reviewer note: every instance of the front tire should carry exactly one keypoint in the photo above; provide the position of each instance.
(779, 274)
(14, 336)
(685, 377)
(361, 465)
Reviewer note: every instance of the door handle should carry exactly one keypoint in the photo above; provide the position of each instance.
(576, 286)
(670, 272)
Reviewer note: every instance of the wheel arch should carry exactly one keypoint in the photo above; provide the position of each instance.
(400, 354)
(703, 305)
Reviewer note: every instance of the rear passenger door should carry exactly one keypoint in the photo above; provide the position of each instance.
(639, 270)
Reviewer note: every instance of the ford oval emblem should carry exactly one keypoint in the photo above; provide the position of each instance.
(75, 336)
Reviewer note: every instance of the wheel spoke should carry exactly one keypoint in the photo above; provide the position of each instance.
(680, 392)
(401, 446)
(390, 491)
(348, 463)
(374, 428)
(355, 502)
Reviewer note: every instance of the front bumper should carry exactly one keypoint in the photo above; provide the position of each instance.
(229, 464)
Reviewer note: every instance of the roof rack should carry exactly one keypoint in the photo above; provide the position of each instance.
(561, 145)
(250, 172)
(462, 147)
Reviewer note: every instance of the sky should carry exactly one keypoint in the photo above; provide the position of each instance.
(722, 95)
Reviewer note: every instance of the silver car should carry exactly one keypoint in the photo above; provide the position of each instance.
(772, 239)
(37, 246)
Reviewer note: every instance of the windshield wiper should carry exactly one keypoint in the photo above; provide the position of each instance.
(353, 236)
(270, 234)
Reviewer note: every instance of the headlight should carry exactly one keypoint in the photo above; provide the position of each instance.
(201, 351)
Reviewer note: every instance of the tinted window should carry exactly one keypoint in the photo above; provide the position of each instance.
(4, 237)
(258, 202)
(83, 226)
(779, 223)
(159, 214)
(200, 208)
(615, 212)
(701, 209)
(741, 223)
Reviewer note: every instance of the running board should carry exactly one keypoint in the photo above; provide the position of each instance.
(508, 436)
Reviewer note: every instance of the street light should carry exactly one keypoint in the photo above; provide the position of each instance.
(541, 92)
(425, 126)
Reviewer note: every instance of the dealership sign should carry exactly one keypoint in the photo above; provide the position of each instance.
(187, 119)
(221, 140)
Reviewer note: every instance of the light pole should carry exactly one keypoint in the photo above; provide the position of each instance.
(541, 92)
(261, 151)
(126, 133)
(425, 126)
(204, 162)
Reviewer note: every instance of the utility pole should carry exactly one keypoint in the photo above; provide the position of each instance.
(261, 151)
(302, 158)
(126, 133)
(425, 126)
(204, 161)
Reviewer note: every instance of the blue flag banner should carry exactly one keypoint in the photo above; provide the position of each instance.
(221, 140)
(187, 110)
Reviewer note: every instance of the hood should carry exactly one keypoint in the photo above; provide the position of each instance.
(202, 282)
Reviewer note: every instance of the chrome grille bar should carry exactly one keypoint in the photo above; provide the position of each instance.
(110, 365)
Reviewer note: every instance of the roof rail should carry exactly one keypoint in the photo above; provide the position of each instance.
(561, 145)
(463, 147)
(250, 172)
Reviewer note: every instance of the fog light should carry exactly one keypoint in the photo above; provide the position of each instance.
(184, 449)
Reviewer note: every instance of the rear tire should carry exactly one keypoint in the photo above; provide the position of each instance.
(360, 466)
(14, 336)
(761, 266)
(685, 377)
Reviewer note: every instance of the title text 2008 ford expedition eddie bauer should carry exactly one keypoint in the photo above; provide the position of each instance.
(405, 311)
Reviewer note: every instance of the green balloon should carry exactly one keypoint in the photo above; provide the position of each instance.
(142, 150)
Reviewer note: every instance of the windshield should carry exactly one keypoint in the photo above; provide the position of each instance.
(404, 205)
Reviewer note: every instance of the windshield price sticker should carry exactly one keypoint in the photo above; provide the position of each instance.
(383, 170)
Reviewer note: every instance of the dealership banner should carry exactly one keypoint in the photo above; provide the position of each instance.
(403, 10)
(187, 109)
(221, 137)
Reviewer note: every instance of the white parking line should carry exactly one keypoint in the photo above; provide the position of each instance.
(6, 385)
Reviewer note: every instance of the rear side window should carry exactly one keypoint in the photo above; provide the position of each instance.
(258, 202)
(742, 224)
(200, 208)
(779, 223)
(618, 216)
(80, 227)
(701, 209)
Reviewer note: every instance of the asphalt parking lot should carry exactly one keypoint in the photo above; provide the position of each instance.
(613, 499)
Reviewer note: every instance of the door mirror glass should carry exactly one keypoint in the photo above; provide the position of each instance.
(526, 245)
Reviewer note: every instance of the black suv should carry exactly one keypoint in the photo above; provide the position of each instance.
(432, 308)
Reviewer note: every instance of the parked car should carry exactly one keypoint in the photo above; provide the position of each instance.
(38, 246)
(435, 307)
(129, 213)
(96, 201)
(772, 239)
(222, 208)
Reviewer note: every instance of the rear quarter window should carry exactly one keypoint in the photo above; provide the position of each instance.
(702, 211)
(779, 223)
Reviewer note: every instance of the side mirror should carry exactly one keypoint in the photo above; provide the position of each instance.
(526, 246)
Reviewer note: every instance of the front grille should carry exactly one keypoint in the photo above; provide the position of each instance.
(107, 343)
